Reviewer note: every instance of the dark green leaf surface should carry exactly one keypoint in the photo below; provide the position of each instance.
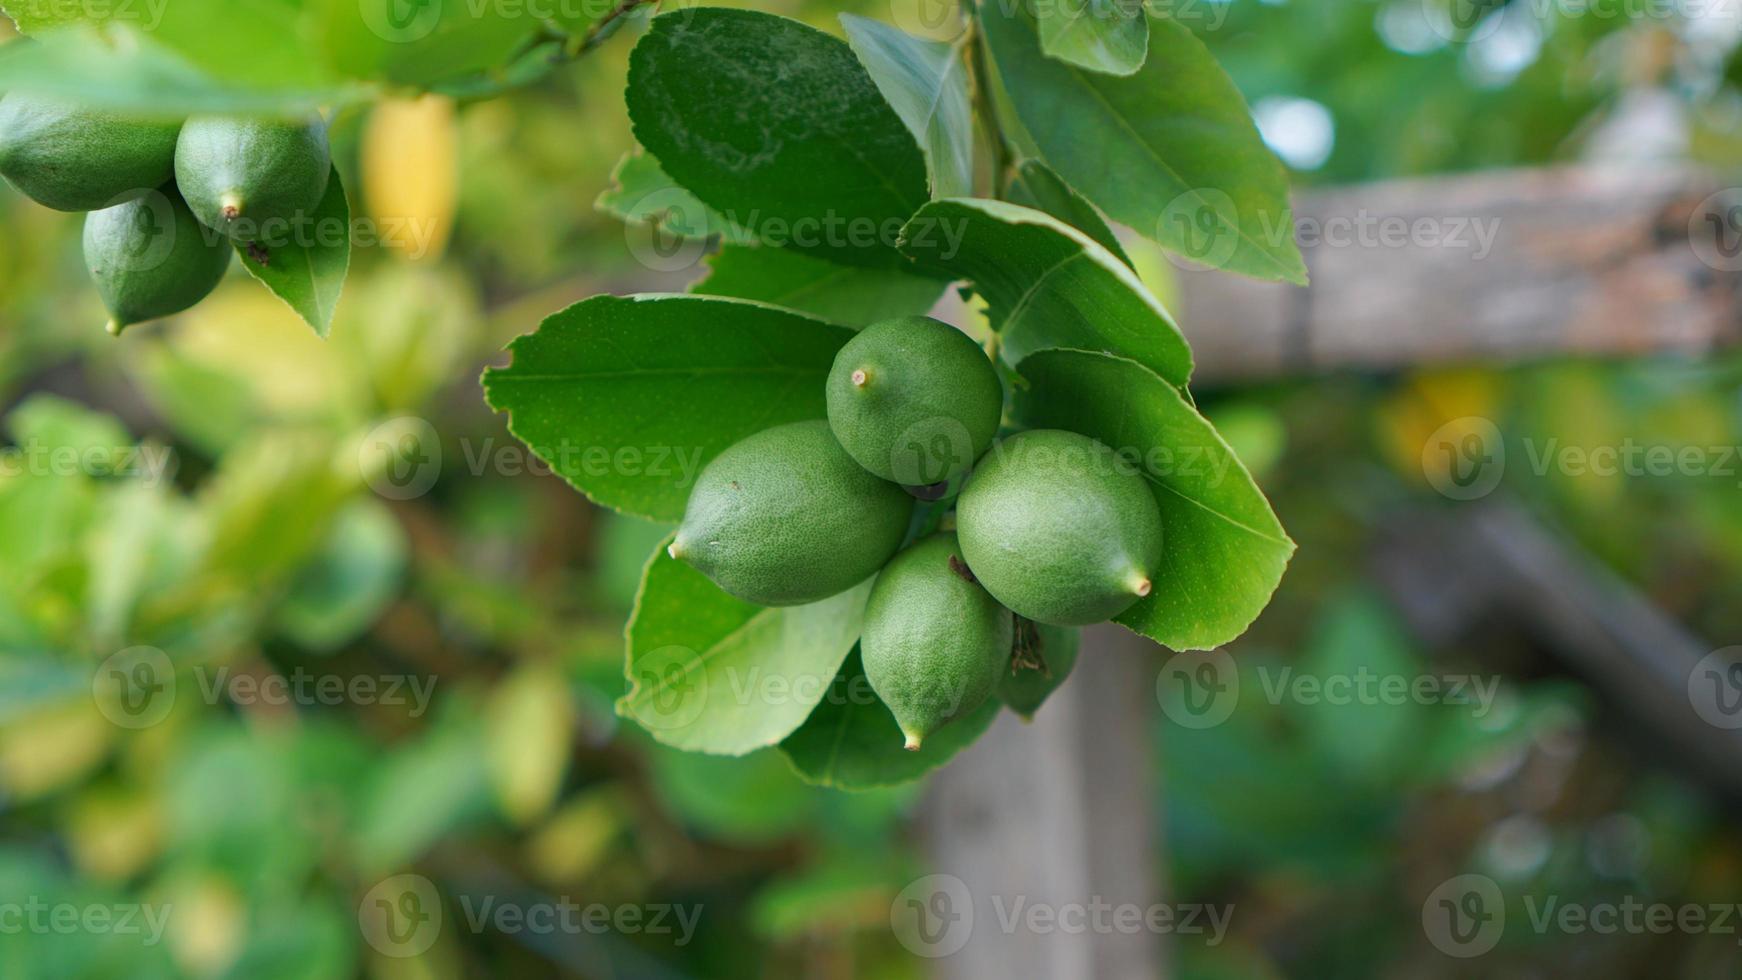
(1224, 549)
(1037, 186)
(1048, 284)
(927, 84)
(851, 740)
(628, 397)
(711, 673)
(842, 294)
(1101, 35)
(307, 270)
(778, 127)
(1171, 150)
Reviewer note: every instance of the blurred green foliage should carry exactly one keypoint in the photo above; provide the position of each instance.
(263, 547)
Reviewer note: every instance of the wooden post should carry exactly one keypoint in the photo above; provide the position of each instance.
(1061, 811)
(1502, 266)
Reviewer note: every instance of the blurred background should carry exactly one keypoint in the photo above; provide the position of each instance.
(454, 650)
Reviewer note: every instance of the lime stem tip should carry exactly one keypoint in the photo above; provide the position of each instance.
(912, 743)
(860, 378)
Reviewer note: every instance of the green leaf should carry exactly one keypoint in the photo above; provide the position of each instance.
(257, 43)
(712, 673)
(642, 193)
(751, 799)
(1109, 36)
(349, 582)
(1025, 689)
(777, 126)
(1171, 150)
(628, 397)
(851, 740)
(1037, 186)
(1047, 284)
(419, 42)
(1224, 549)
(1369, 739)
(141, 75)
(307, 267)
(839, 293)
(927, 84)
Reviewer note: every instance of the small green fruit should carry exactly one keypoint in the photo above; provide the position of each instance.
(1060, 528)
(914, 400)
(75, 159)
(936, 644)
(1044, 657)
(150, 257)
(253, 179)
(786, 517)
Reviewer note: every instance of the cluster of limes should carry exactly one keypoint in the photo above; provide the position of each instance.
(1051, 527)
(168, 198)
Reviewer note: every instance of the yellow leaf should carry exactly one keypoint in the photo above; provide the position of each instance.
(530, 722)
(113, 833)
(53, 748)
(410, 160)
(577, 837)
